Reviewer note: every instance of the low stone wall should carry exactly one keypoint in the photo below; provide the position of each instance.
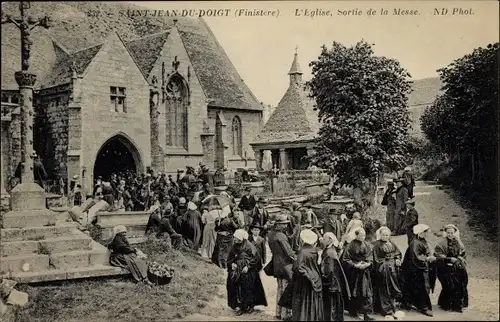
(134, 221)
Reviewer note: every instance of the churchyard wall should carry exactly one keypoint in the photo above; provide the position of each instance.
(113, 66)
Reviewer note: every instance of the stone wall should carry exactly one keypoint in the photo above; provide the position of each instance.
(51, 128)
(250, 126)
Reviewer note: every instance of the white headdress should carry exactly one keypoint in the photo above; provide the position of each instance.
(241, 234)
(119, 229)
(192, 206)
(332, 237)
(379, 231)
(420, 228)
(308, 237)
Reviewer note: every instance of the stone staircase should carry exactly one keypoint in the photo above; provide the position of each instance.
(43, 245)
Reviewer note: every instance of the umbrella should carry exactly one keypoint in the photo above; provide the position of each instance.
(222, 201)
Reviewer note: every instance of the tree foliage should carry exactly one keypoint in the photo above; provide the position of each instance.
(362, 105)
(462, 121)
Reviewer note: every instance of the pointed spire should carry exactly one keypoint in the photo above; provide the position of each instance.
(295, 69)
(295, 72)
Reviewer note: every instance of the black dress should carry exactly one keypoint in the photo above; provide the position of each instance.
(452, 275)
(417, 276)
(244, 290)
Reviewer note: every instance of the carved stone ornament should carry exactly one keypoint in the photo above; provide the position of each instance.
(25, 79)
(174, 90)
(206, 127)
(154, 81)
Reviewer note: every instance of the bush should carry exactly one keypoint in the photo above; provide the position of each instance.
(95, 232)
(156, 245)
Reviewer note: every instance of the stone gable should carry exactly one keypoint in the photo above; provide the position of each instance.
(113, 66)
(197, 110)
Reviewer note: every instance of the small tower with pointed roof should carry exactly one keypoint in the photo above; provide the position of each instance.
(295, 73)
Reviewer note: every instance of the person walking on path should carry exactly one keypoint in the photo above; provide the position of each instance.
(418, 276)
(307, 287)
(409, 181)
(281, 263)
(411, 220)
(389, 200)
(335, 285)
(401, 198)
(244, 286)
(452, 271)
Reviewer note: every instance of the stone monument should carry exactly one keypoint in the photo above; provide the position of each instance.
(39, 244)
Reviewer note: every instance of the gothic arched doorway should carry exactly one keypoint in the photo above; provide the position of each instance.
(117, 155)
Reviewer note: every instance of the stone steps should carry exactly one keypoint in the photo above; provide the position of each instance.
(96, 255)
(33, 218)
(78, 241)
(66, 274)
(37, 233)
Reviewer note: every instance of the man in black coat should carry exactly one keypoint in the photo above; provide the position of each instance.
(401, 198)
(39, 173)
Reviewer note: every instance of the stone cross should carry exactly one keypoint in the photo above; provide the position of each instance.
(175, 63)
(26, 81)
(25, 24)
(275, 170)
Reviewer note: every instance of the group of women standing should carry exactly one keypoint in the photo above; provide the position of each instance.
(324, 277)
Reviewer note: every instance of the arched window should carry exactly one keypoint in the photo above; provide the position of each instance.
(177, 102)
(237, 137)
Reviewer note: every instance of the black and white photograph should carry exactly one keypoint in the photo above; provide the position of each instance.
(249, 161)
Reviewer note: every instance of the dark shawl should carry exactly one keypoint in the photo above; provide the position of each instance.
(307, 300)
(244, 289)
(359, 279)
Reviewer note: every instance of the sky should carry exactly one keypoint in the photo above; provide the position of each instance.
(262, 48)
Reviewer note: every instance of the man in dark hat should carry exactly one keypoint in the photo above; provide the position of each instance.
(260, 215)
(411, 219)
(333, 224)
(401, 198)
(247, 204)
(39, 173)
(259, 243)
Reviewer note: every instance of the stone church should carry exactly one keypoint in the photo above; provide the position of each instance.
(163, 101)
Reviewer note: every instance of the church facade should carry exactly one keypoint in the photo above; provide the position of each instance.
(163, 101)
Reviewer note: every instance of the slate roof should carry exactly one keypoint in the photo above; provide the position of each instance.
(146, 50)
(43, 55)
(62, 72)
(219, 78)
(425, 91)
(293, 120)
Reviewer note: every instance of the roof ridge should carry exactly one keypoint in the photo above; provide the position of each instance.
(150, 35)
(230, 61)
(132, 56)
(190, 62)
(86, 48)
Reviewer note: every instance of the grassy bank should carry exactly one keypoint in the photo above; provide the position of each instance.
(124, 300)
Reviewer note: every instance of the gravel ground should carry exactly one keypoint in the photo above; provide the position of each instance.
(435, 208)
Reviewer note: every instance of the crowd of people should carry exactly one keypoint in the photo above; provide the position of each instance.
(323, 268)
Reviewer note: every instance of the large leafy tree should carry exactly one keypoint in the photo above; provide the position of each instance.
(362, 105)
(462, 121)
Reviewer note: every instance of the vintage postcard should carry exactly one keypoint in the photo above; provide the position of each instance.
(249, 160)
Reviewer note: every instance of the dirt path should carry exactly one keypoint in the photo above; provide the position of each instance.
(436, 209)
